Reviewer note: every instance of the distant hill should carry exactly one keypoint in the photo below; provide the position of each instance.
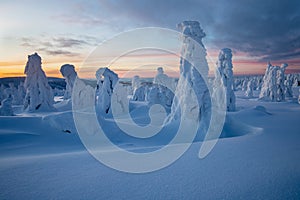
(54, 82)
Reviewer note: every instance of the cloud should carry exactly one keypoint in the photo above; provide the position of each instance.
(268, 29)
(58, 45)
(58, 52)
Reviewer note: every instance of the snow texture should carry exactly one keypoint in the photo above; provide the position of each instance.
(273, 88)
(39, 96)
(69, 73)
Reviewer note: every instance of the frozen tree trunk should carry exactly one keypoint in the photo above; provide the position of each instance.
(224, 77)
(39, 96)
(192, 95)
(69, 73)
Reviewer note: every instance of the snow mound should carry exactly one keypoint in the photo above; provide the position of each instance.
(262, 109)
(235, 128)
(61, 121)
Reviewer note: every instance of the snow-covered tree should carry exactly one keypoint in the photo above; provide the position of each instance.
(17, 94)
(12, 91)
(154, 96)
(163, 79)
(135, 83)
(288, 92)
(139, 90)
(273, 83)
(39, 96)
(109, 97)
(250, 86)
(295, 81)
(69, 73)
(280, 82)
(299, 97)
(21, 94)
(224, 77)
(6, 107)
(245, 84)
(192, 61)
(140, 93)
(2, 95)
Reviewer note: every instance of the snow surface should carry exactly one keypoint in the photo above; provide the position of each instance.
(41, 160)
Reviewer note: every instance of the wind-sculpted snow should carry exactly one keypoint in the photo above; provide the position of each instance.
(135, 83)
(224, 77)
(107, 93)
(163, 79)
(69, 73)
(273, 88)
(39, 96)
(192, 63)
(98, 124)
(288, 83)
(250, 86)
(140, 94)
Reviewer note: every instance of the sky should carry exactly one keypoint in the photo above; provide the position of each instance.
(66, 31)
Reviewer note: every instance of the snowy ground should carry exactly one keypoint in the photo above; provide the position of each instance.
(38, 160)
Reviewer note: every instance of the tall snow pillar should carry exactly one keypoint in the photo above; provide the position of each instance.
(111, 97)
(224, 76)
(193, 61)
(39, 96)
(69, 73)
